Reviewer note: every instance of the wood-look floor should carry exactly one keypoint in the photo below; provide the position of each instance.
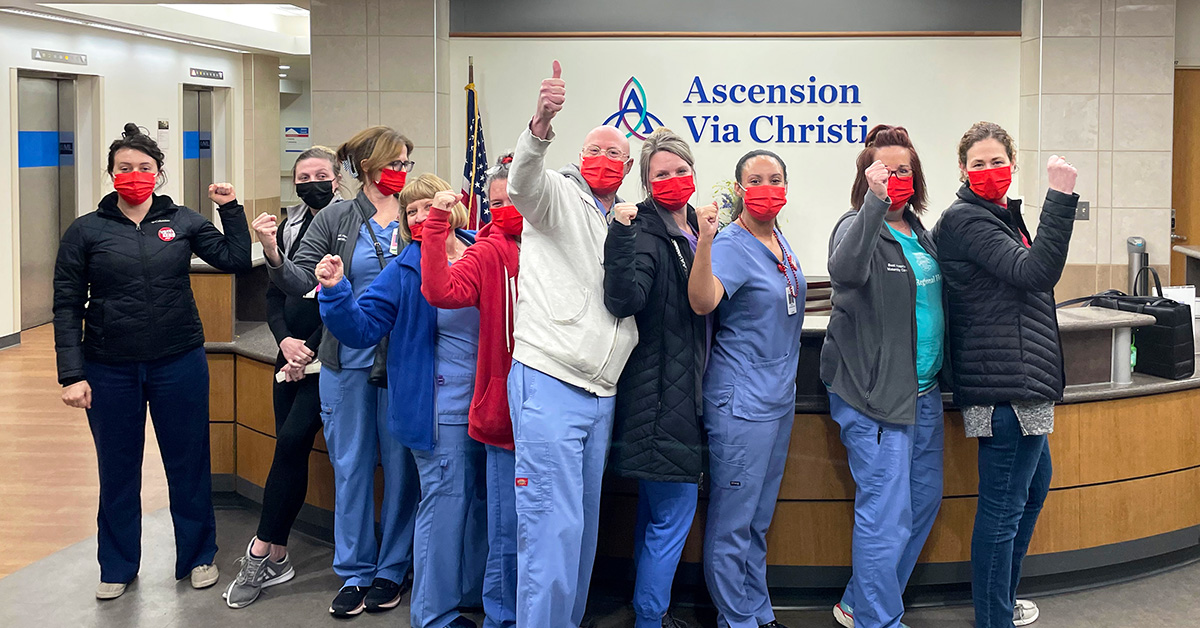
(48, 479)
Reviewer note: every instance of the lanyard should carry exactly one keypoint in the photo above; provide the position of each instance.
(792, 290)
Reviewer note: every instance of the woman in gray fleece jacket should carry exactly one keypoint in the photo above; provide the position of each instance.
(881, 360)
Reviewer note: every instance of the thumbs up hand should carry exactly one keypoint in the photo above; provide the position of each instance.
(550, 101)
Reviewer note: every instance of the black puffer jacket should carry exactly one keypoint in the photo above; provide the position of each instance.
(657, 431)
(129, 284)
(1003, 329)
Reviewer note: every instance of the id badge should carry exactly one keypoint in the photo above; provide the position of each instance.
(395, 248)
(791, 302)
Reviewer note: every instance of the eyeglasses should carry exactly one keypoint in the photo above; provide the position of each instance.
(612, 153)
(903, 171)
(404, 166)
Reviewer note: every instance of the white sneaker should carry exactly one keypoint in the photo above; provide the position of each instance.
(109, 591)
(844, 615)
(1025, 612)
(205, 576)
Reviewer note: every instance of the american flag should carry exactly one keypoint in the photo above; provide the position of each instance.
(474, 186)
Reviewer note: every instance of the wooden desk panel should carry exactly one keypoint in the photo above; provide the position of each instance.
(221, 408)
(255, 402)
(214, 300)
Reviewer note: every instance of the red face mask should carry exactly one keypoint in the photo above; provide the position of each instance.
(991, 184)
(417, 231)
(602, 174)
(391, 181)
(764, 201)
(508, 220)
(673, 193)
(900, 189)
(135, 187)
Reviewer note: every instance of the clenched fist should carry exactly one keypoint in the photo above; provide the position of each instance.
(624, 213)
(706, 217)
(221, 193)
(550, 101)
(78, 395)
(445, 200)
(329, 271)
(877, 179)
(1061, 175)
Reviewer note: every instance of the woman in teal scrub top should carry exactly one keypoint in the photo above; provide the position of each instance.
(750, 276)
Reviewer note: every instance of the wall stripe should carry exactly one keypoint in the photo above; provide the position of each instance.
(37, 149)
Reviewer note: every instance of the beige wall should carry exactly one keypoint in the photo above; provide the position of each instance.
(1187, 33)
(383, 62)
(1097, 82)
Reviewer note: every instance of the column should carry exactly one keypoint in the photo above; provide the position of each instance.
(260, 191)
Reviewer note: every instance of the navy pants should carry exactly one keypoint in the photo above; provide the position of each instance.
(1014, 480)
(176, 390)
(897, 473)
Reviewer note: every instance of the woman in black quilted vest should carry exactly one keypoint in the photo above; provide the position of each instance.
(128, 335)
(656, 433)
(1004, 347)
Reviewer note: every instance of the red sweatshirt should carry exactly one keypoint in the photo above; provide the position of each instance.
(485, 277)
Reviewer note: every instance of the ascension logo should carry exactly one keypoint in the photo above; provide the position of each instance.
(633, 103)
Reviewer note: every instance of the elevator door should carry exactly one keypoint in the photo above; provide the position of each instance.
(46, 176)
(197, 149)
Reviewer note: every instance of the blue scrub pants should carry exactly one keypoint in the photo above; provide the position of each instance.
(898, 473)
(475, 553)
(664, 518)
(1014, 481)
(355, 417)
(562, 435)
(448, 476)
(744, 487)
(176, 390)
(500, 578)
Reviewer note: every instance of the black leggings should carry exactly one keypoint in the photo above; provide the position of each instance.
(297, 419)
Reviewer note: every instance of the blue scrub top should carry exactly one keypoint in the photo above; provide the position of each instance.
(363, 270)
(931, 319)
(457, 347)
(757, 346)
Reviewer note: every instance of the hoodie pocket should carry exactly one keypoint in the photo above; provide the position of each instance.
(570, 308)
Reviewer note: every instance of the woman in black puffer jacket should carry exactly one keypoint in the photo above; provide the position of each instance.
(128, 334)
(1004, 345)
(657, 429)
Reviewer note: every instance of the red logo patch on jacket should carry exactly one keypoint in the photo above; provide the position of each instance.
(522, 482)
(166, 234)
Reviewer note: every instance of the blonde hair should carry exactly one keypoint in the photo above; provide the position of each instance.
(371, 150)
(663, 140)
(424, 188)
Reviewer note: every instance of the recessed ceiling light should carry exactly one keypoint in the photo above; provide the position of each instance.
(285, 67)
(282, 75)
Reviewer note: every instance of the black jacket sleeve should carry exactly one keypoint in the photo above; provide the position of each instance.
(229, 251)
(70, 296)
(1037, 268)
(295, 275)
(629, 268)
(276, 321)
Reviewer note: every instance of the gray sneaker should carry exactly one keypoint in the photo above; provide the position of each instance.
(255, 575)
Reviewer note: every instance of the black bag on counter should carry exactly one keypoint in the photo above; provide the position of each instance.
(1165, 349)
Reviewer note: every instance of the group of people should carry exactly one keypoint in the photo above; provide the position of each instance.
(492, 374)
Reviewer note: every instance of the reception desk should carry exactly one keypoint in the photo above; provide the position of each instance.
(1125, 497)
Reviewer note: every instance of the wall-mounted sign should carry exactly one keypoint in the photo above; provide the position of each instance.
(295, 139)
(59, 57)
(216, 75)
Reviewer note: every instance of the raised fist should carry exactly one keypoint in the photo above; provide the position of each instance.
(1061, 175)
(624, 213)
(877, 179)
(329, 271)
(265, 225)
(550, 101)
(707, 218)
(445, 200)
(221, 193)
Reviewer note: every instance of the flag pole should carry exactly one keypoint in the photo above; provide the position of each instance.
(470, 69)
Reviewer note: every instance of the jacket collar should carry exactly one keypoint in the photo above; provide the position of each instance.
(913, 221)
(659, 222)
(160, 205)
(1010, 215)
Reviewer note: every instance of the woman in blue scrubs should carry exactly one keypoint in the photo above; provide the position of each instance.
(431, 378)
(750, 276)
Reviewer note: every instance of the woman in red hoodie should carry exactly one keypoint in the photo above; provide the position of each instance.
(486, 277)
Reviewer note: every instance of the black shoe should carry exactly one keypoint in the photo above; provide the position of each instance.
(671, 621)
(349, 602)
(773, 624)
(385, 595)
(461, 622)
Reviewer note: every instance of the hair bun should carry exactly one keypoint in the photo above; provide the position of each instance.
(131, 129)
